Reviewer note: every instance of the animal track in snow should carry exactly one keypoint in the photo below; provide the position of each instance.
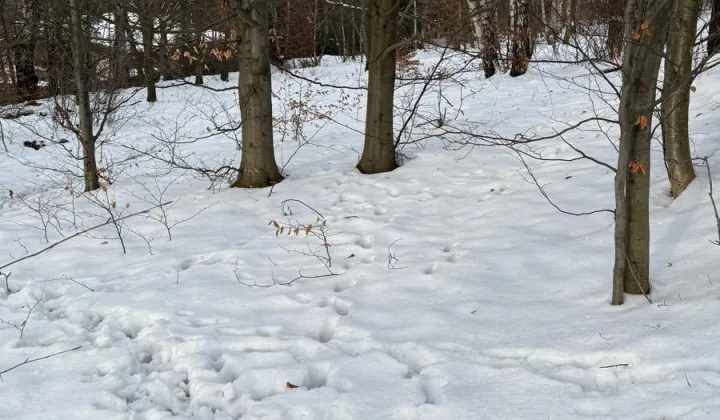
(328, 329)
(341, 286)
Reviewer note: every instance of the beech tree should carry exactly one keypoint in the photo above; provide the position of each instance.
(379, 149)
(84, 130)
(646, 28)
(676, 95)
(258, 167)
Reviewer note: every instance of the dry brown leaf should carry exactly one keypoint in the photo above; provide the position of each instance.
(636, 167)
(290, 385)
(641, 122)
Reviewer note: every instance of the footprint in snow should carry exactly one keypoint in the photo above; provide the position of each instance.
(339, 305)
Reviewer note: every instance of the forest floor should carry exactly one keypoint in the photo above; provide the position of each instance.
(451, 288)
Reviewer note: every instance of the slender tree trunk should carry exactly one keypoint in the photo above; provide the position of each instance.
(379, 149)
(146, 24)
(82, 96)
(676, 95)
(227, 35)
(568, 19)
(118, 60)
(614, 41)
(258, 168)
(199, 49)
(646, 27)
(713, 46)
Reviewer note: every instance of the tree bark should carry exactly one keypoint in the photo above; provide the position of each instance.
(614, 41)
(379, 149)
(146, 25)
(118, 59)
(26, 80)
(713, 46)
(82, 96)
(646, 27)
(676, 95)
(258, 168)
(227, 35)
(522, 45)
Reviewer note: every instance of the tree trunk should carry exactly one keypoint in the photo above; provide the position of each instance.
(199, 73)
(615, 29)
(82, 96)
(521, 39)
(258, 168)
(568, 21)
(714, 30)
(146, 25)
(676, 95)
(379, 149)
(475, 11)
(491, 42)
(26, 80)
(199, 49)
(118, 60)
(227, 35)
(646, 25)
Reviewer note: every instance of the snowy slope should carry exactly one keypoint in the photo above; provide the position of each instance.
(457, 291)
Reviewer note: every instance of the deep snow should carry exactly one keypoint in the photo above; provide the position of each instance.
(458, 291)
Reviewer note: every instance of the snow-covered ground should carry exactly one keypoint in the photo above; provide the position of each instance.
(455, 290)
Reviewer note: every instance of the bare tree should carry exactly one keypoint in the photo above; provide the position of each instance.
(646, 27)
(82, 95)
(258, 168)
(379, 150)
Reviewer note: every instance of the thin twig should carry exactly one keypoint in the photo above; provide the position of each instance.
(28, 360)
(613, 366)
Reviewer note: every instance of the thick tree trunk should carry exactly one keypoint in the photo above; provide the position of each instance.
(26, 80)
(482, 15)
(258, 168)
(475, 10)
(146, 25)
(491, 42)
(522, 44)
(646, 25)
(713, 46)
(82, 96)
(676, 95)
(379, 149)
